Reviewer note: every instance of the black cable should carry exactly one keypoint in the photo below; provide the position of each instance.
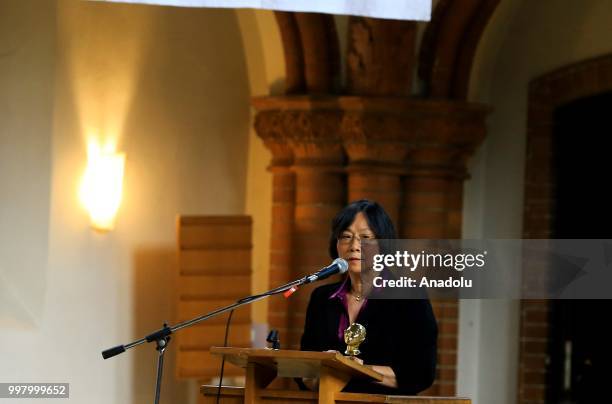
(247, 299)
(227, 324)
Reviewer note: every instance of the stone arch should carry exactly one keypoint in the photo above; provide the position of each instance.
(547, 92)
(312, 52)
(449, 45)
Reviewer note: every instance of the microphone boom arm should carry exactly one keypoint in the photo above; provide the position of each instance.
(162, 336)
(166, 331)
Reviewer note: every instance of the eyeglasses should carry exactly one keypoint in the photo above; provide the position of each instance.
(348, 238)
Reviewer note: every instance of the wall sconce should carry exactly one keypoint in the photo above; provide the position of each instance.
(102, 185)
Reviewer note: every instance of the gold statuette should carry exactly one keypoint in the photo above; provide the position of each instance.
(354, 335)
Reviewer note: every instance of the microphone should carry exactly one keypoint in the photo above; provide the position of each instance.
(338, 266)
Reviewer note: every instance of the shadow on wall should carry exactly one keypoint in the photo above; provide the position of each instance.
(191, 113)
(154, 302)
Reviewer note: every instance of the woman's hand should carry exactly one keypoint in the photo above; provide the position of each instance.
(389, 378)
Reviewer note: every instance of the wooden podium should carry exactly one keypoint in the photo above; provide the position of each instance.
(333, 369)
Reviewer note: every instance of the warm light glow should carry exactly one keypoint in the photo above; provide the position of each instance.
(102, 185)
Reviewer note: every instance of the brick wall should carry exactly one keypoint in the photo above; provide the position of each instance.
(410, 155)
(546, 93)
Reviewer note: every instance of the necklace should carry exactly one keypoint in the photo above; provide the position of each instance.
(356, 296)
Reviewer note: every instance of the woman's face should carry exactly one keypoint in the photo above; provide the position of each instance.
(348, 244)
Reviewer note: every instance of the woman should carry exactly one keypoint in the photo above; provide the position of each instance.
(400, 334)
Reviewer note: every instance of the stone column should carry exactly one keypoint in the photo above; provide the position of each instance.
(447, 134)
(320, 194)
(310, 130)
(268, 127)
(377, 142)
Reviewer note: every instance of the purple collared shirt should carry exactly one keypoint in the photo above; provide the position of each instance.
(341, 294)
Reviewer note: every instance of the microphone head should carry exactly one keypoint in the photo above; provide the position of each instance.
(342, 265)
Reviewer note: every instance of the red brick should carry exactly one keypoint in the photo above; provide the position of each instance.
(536, 316)
(447, 327)
(447, 343)
(446, 389)
(534, 393)
(447, 359)
(416, 199)
(534, 362)
(534, 346)
(534, 378)
(283, 180)
(431, 231)
(449, 374)
(535, 331)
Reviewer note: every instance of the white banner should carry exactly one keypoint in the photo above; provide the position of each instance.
(393, 9)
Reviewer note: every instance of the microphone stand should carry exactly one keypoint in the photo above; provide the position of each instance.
(162, 336)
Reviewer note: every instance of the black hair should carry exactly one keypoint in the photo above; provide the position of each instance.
(378, 221)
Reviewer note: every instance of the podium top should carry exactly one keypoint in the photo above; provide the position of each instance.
(289, 363)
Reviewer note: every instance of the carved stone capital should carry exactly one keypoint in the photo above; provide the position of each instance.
(312, 133)
(424, 135)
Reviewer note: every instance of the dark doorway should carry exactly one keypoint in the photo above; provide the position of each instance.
(579, 348)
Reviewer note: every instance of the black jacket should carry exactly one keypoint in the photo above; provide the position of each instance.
(399, 333)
